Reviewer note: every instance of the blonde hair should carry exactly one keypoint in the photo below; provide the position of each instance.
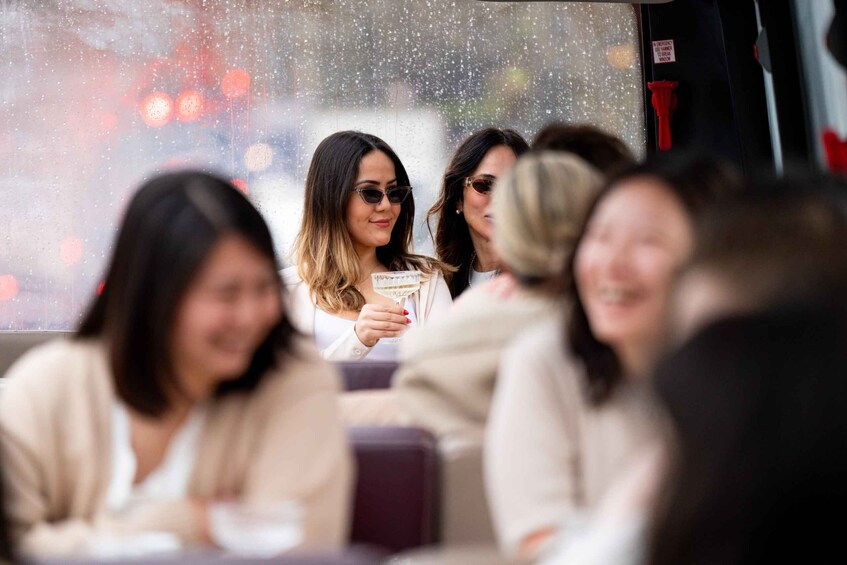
(539, 208)
(325, 257)
(328, 264)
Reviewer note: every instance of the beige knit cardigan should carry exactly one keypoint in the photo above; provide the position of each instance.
(282, 441)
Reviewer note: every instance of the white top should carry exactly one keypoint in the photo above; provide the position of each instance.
(478, 278)
(169, 480)
(431, 301)
(328, 328)
(589, 543)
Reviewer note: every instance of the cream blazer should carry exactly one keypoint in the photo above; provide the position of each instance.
(448, 368)
(282, 441)
(430, 301)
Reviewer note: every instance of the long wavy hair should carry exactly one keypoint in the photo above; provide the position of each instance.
(453, 245)
(325, 257)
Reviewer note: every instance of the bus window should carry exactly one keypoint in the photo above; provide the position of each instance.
(98, 96)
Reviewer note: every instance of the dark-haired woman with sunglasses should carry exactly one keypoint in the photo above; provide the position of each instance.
(463, 233)
(357, 220)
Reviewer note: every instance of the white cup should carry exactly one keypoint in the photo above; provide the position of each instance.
(256, 529)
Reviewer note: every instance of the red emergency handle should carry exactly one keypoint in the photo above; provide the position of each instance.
(664, 102)
(836, 152)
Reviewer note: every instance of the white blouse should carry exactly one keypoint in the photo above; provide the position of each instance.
(478, 278)
(329, 327)
(170, 479)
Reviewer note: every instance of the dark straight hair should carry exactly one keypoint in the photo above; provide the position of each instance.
(603, 150)
(453, 244)
(698, 182)
(759, 450)
(169, 230)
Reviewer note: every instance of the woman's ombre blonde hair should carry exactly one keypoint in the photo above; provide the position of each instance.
(324, 253)
(539, 208)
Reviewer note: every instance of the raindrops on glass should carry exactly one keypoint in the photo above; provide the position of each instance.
(99, 95)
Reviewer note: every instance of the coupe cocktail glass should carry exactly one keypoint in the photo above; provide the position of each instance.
(396, 285)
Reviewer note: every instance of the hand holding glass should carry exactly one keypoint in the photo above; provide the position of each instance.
(396, 285)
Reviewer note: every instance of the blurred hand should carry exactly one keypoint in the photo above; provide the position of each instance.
(376, 321)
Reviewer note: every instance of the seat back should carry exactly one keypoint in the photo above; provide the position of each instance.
(365, 375)
(14, 344)
(397, 487)
(465, 518)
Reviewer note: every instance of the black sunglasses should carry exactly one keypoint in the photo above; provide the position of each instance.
(483, 184)
(395, 194)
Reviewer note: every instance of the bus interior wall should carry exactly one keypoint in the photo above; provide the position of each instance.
(721, 96)
(792, 108)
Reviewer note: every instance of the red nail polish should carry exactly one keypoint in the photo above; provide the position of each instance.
(408, 321)
(406, 312)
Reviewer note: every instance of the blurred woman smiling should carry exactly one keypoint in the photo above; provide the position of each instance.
(572, 406)
(185, 385)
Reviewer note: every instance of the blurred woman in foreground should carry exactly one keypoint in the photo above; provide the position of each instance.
(185, 385)
(777, 246)
(572, 405)
(757, 456)
(760, 450)
(779, 241)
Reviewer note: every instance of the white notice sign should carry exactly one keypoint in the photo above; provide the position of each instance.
(664, 52)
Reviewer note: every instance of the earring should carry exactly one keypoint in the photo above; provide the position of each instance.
(458, 212)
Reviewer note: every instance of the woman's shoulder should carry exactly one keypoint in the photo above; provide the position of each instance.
(543, 352)
(539, 373)
(51, 360)
(479, 320)
(545, 337)
(301, 372)
(56, 371)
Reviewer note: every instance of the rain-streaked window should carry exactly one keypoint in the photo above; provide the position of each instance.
(97, 95)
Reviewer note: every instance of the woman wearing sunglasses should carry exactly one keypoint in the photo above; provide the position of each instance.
(357, 220)
(463, 232)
